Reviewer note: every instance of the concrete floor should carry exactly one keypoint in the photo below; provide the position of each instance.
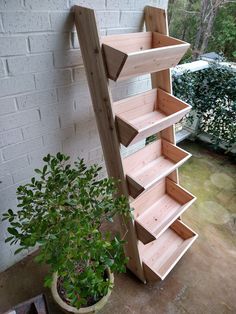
(204, 281)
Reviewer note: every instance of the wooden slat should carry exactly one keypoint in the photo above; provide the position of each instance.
(101, 97)
(128, 43)
(138, 104)
(156, 219)
(142, 157)
(160, 40)
(180, 194)
(147, 199)
(182, 230)
(170, 104)
(150, 61)
(152, 172)
(174, 153)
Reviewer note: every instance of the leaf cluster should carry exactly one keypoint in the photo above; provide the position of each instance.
(62, 211)
(212, 94)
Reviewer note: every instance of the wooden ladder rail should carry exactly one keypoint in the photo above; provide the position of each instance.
(156, 21)
(90, 46)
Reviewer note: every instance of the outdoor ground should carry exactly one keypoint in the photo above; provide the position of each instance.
(204, 281)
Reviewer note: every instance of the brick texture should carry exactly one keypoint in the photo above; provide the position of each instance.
(24, 22)
(16, 84)
(45, 105)
(7, 105)
(2, 69)
(13, 46)
(29, 64)
(10, 5)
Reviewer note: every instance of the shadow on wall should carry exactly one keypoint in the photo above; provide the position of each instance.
(45, 105)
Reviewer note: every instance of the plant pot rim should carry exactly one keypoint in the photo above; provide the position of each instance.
(83, 310)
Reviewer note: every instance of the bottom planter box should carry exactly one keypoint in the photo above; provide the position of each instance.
(161, 255)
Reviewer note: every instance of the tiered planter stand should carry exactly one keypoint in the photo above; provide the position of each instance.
(156, 238)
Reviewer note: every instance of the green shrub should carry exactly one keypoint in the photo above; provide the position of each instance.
(212, 94)
(62, 212)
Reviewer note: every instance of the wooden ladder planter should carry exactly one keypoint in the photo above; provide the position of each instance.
(156, 238)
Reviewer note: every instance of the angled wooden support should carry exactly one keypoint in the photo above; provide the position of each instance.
(156, 21)
(90, 46)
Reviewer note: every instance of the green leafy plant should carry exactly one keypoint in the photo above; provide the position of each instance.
(212, 94)
(63, 212)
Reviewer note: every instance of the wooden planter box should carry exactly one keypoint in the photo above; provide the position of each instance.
(161, 255)
(156, 209)
(152, 163)
(145, 114)
(133, 54)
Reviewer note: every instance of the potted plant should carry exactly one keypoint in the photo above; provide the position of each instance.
(62, 212)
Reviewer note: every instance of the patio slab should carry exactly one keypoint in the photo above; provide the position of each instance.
(204, 281)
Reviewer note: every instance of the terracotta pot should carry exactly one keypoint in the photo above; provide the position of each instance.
(83, 310)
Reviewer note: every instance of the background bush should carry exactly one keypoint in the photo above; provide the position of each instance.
(212, 94)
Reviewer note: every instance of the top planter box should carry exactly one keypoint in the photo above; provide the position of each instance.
(135, 54)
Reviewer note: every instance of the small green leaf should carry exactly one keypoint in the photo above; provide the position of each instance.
(9, 239)
(10, 211)
(45, 169)
(19, 250)
(38, 171)
(12, 231)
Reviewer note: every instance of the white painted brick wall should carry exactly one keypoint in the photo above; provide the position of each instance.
(7, 106)
(10, 137)
(49, 42)
(2, 68)
(10, 5)
(45, 106)
(46, 5)
(29, 64)
(13, 46)
(18, 119)
(24, 22)
(16, 84)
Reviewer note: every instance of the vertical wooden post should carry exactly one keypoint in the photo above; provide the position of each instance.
(156, 21)
(90, 45)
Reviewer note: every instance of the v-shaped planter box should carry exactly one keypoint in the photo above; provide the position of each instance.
(152, 163)
(133, 54)
(156, 209)
(147, 113)
(161, 255)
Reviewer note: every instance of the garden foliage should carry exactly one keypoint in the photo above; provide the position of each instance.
(63, 212)
(212, 94)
